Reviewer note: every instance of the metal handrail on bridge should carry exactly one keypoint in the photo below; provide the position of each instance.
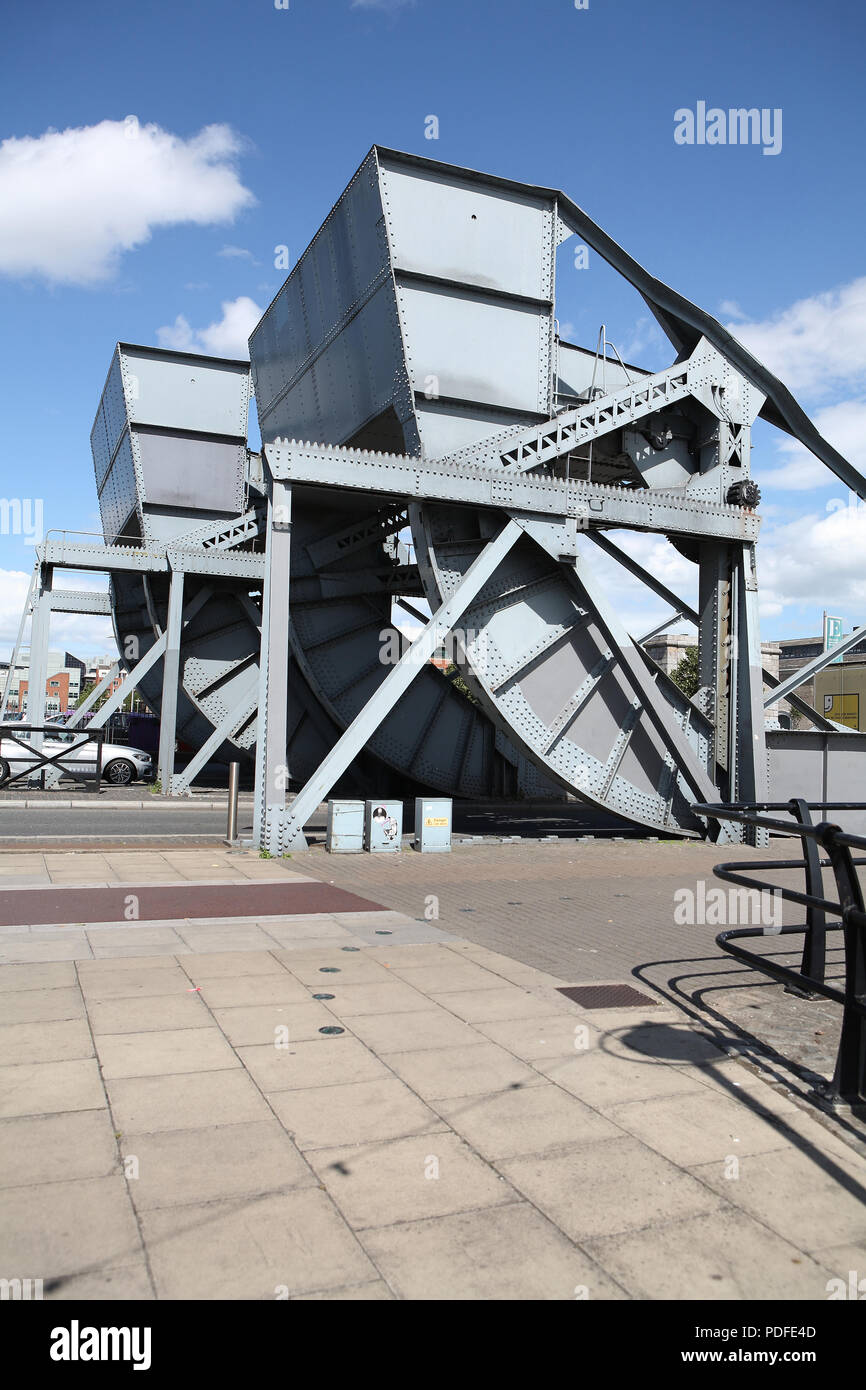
(848, 1085)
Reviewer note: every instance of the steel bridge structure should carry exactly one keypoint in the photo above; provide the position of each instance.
(429, 440)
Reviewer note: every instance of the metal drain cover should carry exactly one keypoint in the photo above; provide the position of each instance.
(607, 997)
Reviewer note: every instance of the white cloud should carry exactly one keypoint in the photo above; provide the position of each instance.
(816, 561)
(843, 425)
(636, 606)
(13, 594)
(239, 253)
(82, 634)
(817, 345)
(813, 562)
(802, 472)
(645, 335)
(227, 337)
(72, 201)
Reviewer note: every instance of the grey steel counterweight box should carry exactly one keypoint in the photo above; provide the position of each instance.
(383, 826)
(433, 824)
(345, 827)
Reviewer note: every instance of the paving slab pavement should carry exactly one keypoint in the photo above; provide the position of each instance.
(174, 1123)
(614, 910)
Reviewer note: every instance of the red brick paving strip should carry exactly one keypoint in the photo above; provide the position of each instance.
(33, 907)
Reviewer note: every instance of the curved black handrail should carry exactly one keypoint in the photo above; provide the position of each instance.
(849, 1078)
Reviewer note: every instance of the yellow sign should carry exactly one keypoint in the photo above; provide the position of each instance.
(436, 820)
(844, 709)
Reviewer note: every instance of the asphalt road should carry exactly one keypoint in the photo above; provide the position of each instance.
(53, 825)
(186, 822)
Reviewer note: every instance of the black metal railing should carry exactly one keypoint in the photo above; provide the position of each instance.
(849, 1078)
(84, 770)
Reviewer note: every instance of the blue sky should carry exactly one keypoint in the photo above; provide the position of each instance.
(200, 136)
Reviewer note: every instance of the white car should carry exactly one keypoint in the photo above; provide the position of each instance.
(120, 764)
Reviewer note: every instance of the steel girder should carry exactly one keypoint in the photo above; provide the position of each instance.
(672, 511)
(37, 674)
(80, 601)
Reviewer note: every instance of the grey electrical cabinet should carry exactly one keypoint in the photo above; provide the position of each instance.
(345, 833)
(383, 826)
(433, 824)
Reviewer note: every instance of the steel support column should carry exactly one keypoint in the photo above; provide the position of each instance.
(751, 768)
(714, 605)
(37, 674)
(272, 772)
(170, 682)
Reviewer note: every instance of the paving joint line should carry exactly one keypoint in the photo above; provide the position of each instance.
(116, 1134)
(334, 1205)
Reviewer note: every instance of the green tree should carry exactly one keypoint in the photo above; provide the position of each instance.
(85, 691)
(686, 673)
